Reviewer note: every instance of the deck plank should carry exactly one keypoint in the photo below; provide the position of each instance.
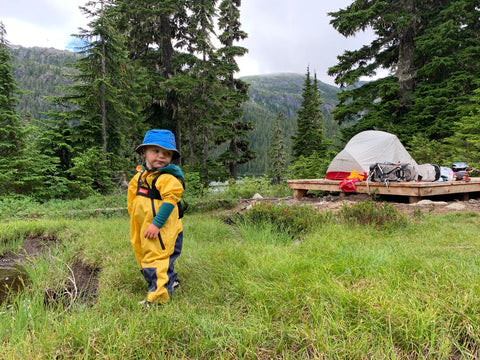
(414, 190)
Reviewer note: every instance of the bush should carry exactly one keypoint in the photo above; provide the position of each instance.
(294, 220)
(194, 187)
(373, 213)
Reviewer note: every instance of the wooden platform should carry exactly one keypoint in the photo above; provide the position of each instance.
(414, 190)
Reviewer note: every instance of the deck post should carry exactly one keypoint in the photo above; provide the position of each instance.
(414, 199)
(299, 193)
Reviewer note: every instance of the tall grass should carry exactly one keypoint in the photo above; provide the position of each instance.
(338, 290)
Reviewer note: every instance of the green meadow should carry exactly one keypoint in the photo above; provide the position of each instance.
(276, 282)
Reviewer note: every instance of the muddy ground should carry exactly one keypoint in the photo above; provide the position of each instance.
(333, 202)
(78, 284)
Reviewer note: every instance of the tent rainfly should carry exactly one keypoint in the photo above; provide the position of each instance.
(365, 149)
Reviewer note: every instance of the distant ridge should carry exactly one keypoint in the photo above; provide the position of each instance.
(286, 88)
(39, 73)
(274, 93)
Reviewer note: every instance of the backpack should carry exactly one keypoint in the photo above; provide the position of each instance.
(143, 189)
(390, 172)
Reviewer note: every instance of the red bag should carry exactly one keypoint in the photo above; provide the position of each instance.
(348, 185)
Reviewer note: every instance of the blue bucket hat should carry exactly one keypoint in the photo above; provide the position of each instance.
(163, 138)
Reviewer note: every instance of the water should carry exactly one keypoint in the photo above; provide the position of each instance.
(12, 278)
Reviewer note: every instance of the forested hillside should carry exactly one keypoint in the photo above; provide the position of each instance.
(270, 95)
(39, 73)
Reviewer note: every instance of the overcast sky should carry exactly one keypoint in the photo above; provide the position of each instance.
(283, 35)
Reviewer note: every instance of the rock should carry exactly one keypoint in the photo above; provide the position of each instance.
(429, 202)
(257, 196)
(456, 206)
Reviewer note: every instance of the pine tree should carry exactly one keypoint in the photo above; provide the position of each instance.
(465, 143)
(233, 129)
(9, 136)
(309, 136)
(277, 155)
(23, 169)
(447, 53)
(429, 48)
(101, 106)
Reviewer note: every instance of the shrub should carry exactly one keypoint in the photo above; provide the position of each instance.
(373, 213)
(194, 187)
(294, 220)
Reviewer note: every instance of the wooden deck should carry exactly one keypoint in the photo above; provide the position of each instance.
(414, 190)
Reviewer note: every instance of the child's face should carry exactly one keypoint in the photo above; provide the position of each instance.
(157, 157)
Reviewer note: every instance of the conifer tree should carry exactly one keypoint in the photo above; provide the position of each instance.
(448, 71)
(429, 49)
(23, 169)
(101, 106)
(465, 143)
(310, 136)
(233, 129)
(9, 136)
(197, 87)
(108, 93)
(278, 154)
(153, 29)
(173, 42)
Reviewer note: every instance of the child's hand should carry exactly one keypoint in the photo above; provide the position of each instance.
(152, 231)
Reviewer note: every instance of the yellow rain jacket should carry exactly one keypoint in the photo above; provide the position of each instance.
(155, 257)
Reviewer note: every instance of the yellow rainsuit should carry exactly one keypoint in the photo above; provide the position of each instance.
(155, 257)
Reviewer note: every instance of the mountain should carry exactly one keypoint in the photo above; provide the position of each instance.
(283, 92)
(39, 73)
(271, 94)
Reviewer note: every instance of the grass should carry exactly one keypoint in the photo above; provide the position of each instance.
(340, 290)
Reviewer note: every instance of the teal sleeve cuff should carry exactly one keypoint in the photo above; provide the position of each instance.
(162, 214)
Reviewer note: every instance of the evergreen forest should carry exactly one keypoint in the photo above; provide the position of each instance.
(40, 75)
(71, 120)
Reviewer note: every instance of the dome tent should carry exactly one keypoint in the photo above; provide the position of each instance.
(367, 148)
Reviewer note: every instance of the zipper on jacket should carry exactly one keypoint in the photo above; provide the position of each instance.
(155, 214)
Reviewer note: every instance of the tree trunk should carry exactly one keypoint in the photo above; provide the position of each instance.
(405, 71)
(233, 167)
(102, 100)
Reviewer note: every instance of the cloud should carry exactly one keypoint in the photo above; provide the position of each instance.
(283, 35)
(44, 23)
(288, 36)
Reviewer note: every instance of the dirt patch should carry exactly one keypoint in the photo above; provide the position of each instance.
(434, 205)
(32, 246)
(78, 284)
